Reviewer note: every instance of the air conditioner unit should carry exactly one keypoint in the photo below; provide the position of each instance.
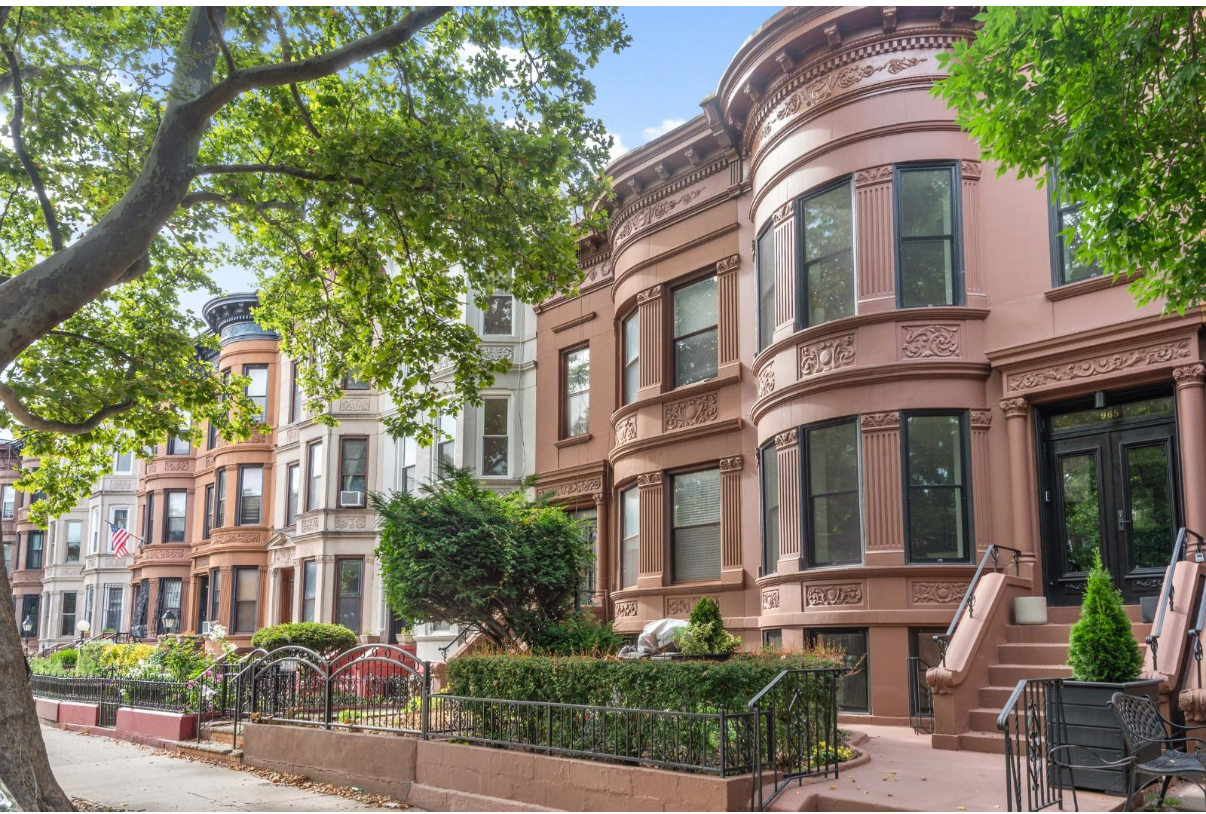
(351, 500)
(205, 627)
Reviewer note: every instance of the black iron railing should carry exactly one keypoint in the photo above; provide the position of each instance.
(795, 731)
(921, 698)
(1167, 595)
(462, 636)
(1035, 731)
(993, 555)
(109, 693)
(714, 743)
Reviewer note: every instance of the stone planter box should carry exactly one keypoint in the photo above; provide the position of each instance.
(1091, 723)
(149, 723)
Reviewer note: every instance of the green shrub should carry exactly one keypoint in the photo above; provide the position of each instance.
(691, 686)
(173, 659)
(705, 635)
(1102, 646)
(106, 658)
(46, 667)
(66, 657)
(580, 635)
(324, 639)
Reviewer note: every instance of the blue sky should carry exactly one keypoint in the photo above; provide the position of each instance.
(676, 58)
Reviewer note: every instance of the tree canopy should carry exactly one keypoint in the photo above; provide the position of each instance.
(373, 166)
(1115, 97)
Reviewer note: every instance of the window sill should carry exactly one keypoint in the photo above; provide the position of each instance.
(1098, 283)
(573, 441)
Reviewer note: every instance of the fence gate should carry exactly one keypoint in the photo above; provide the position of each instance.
(109, 701)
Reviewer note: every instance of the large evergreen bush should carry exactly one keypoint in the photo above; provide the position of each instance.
(1102, 645)
(324, 639)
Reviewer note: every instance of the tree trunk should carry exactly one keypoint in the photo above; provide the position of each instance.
(24, 766)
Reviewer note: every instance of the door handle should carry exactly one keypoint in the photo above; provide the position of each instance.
(1123, 521)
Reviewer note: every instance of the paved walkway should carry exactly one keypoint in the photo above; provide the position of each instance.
(123, 776)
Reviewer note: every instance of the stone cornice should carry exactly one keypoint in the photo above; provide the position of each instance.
(675, 437)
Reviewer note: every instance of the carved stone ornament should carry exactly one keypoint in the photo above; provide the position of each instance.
(969, 169)
(293, 435)
(1109, 363)
(770, 599)
(941, 680)
(1193, 703)
(626, 609)
(678, 415)
(654, 212)
(282, 555)
(730, 263)
(732, 464)
(177, 466)
(307, 524)
(824, 596)
(938, 593)
(930, 341)
(352, 521)
(121, 485)
(681, 605)
(889, 19)
(363, 405)
(873, 175)
(766, 381)
(783, 213)
(650, 479)
(151, 468)
(626, 430)
(497, 353)
(833, 36)
(237, 537)
(786, 439)
(578, 487)
(1190, 375)
(1013, 408)
(649, 294)
(880, 421)
(826, 355)
(981, 419)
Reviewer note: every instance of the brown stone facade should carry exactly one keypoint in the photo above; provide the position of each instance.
(729, 198)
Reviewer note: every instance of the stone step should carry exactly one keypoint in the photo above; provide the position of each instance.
(1038, 653)
(989, 742)
(1037, 634)
(1008, 675)
(994, 697)
(218, 736)
(983, 719)
(210, 751)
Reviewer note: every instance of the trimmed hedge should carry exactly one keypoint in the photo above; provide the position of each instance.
(681, 685)
(325, 639)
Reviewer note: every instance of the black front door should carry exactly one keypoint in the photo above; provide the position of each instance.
(1111, 487)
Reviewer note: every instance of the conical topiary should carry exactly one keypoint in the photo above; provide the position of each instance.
(1102, 646)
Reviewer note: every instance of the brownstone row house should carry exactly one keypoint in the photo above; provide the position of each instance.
(824, 357)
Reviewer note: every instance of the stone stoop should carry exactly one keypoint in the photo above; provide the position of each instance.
(1030, 651)
(214, 752)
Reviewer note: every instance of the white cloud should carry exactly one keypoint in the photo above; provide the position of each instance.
(665, 127)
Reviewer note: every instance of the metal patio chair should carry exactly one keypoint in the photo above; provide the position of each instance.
(1142, 725)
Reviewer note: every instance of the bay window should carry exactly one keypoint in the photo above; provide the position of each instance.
(350, 576)
(827, 284)
(769, 470)
(293, 494)
(695, 521)
(495, 437)
(309, 589)
(74, 534)
(314, 476)
(408, 455)
(175, 515)
(630, 532)
(832, 514)
(696, 355)
(498, 318)
(927, 235)
(353, 466)
(257, 389)
(220, 499)
(33, 548)
(632, 357)
(445, 448)
(765, 251)
(244, 598)
(251, 495)
(67, 625)
(937, 522)
(576, 398)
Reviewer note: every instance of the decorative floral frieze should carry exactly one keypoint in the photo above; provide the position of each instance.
(1109, 363)
(728, 264)
(826, 355)
(236, 537)
(681, 605)
(733, 464)
(578, 487)
(497, 353)
(363, 405)
(766, 381)
(293, 435)
(770, 599)
(282, 555)
(981, 419)
(626, 430)
(177, 466)
(786, 439)
(351, 521)
(873, 175)
(650, 479)
(121, 485)
(626, 609)
(649, 294)
(938, 593)
(677, 415)
(784, 212)
(1190, 374)
(654, 212)
(307, 524)
(824, 596)
(880, 421)
(930, 341)
(152, 552)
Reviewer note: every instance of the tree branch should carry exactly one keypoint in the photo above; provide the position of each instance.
(203, 197)
(287, 52)
(274, 169)
(16, 125)
(79, 337)
(284, 73)
(221, 38)
(9, 398)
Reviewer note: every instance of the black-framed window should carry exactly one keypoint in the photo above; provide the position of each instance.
(175, 515)
(832, 514)
(296, 399)
(631, 362)
(170, 596)
(179, 445)
(696, 328)
(89, 600)
(257, 389)
(293, 493)
(349, 576)
(314, 476)
(827, 289)
(251, 495)
(215, 595)
(928, 235)
(937, 478)
(768, 470)
(211, 436)
(496, 436)
(67, 627)
(445, 448)
(630, 537)
(765, 252)
(773, 638)
(1065, 216)
(353, 465)
(350, 382)
(695, 526)
(9, 549)
(33, 548)
(498, 318)
(201, 601)
(208, 521)
(31, 609)
(219, 498)
(149, 531)
(113, 602)
(73, 533)
(854, 692)
(309, 589)
(408, 457)
(575, 367)
(244, 599)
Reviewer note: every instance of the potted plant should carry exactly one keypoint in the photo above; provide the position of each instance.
(705, 637)
(1105, 659)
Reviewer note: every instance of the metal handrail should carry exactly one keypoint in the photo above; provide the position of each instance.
(917, 687)
(462, 635)
(1034, 728)
(1166, 589)
(993, 552)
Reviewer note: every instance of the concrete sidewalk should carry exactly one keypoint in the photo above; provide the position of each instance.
(121, 775)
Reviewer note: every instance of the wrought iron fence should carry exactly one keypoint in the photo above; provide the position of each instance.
(921, 698)
(111, 692)
(709, 742)
(1035, 745)
(795, 731)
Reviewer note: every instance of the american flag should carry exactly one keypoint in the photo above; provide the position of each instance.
(120, 537)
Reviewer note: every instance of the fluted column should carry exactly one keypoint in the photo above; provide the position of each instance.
(784, 224)
(981, 422)
(882, 488)
(1017, 428)
(876, 250)
(653, 530)
(224, 599)
(730, 517)
(649, 302)
(602, 553)
(787, 451)
(1191, 430)
(728, 316)
(972, 276)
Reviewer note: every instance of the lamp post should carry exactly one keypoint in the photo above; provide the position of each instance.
(82, 627)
